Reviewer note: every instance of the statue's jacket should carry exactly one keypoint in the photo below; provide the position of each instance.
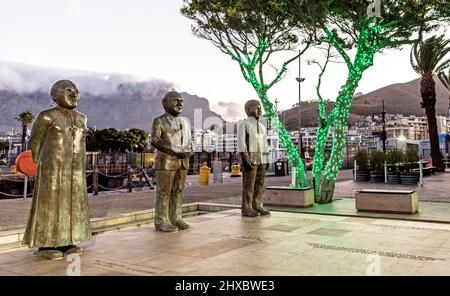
(59, 214)
(252, 141)
(171, 133)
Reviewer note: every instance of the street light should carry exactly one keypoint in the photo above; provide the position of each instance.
(402, 139)
(300, 79)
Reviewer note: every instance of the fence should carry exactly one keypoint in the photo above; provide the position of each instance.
(20, 186)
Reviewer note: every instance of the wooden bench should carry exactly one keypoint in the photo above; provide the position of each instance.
(387, 201)
(285, 196)
(428, 171)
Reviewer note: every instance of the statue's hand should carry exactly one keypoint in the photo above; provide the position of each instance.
(183, 154)
(247, 165)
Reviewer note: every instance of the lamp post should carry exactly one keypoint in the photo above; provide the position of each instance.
(9, 149)
(300, 79)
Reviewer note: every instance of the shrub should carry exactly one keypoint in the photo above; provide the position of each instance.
(411, 155)
(377, 161)
(362, 160)
(394, 156)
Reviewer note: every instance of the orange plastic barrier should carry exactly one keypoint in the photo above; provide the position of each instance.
(25, 164)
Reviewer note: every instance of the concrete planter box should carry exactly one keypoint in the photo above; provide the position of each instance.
(387, 201)
(289, 197)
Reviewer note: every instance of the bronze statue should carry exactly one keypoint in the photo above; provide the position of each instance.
(254, 153)
(59, 216)
(171, 136)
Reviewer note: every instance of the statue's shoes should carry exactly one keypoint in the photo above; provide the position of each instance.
(72, 249)
(251, 213)
(50, 254)
(263, 211)
(181, 225)
(166, 228)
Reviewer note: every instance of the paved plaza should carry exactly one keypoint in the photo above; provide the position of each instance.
(283, 244)
(331, 239)
(14, 212)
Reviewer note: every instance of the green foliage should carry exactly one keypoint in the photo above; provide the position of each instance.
(112, 140)
(362, 160)
(394, 156)
(427, 57)
(376, 160)
(4, 146)
(357, 38)
(25, 117)
(445, 78)
(411, 155)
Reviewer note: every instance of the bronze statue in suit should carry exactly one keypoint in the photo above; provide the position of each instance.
(171, 136)
(254, 153)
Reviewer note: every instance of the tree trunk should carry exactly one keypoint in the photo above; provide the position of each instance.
(327, 191)
(343, 103)
(428, 93)
(319, 156)
(24, 137)
(285, 140)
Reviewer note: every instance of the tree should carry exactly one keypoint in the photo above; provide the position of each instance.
(4, 146)
(91, 139)
(25, 118)
(427, 60)
(114, 141)
(445, 79)
(357, 34)
(134, 140)
(250, 32)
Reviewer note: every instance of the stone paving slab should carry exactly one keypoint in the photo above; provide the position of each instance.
(281, 244)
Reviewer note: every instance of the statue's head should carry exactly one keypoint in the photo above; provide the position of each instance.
(173, 103)
(253, 109)
(65, 93)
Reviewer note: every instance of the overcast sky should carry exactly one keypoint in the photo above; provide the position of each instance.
(151, 39)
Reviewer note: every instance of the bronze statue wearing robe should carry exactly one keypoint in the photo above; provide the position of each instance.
(59, 215)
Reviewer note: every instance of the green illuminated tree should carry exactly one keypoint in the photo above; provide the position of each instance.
(25, 118)
(427, 59)
(250, 32)
(357, 33)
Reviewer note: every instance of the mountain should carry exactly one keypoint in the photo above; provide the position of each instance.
(125, 109)
(402, 98)
(108, 100)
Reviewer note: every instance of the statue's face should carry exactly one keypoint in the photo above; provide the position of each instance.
(174, 106)
(254, 110)
(67, 96)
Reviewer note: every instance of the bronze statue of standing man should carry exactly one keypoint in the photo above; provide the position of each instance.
(254, 153)
(171, 136)
(59, 216)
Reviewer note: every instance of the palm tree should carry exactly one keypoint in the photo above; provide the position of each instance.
(445, 79)
(426, 60)
(25, 118)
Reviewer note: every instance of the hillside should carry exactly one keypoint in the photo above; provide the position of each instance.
(401, 98)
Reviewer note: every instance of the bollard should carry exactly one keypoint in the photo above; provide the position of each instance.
(217, 172)
(385, 172)
(235, 170)
(130, 179)
(204, 174)
(420, 173)
(293, 180)
(95, 181)
(354, 170)
(25, 185)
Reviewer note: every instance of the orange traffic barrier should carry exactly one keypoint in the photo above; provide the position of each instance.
(25, 164)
